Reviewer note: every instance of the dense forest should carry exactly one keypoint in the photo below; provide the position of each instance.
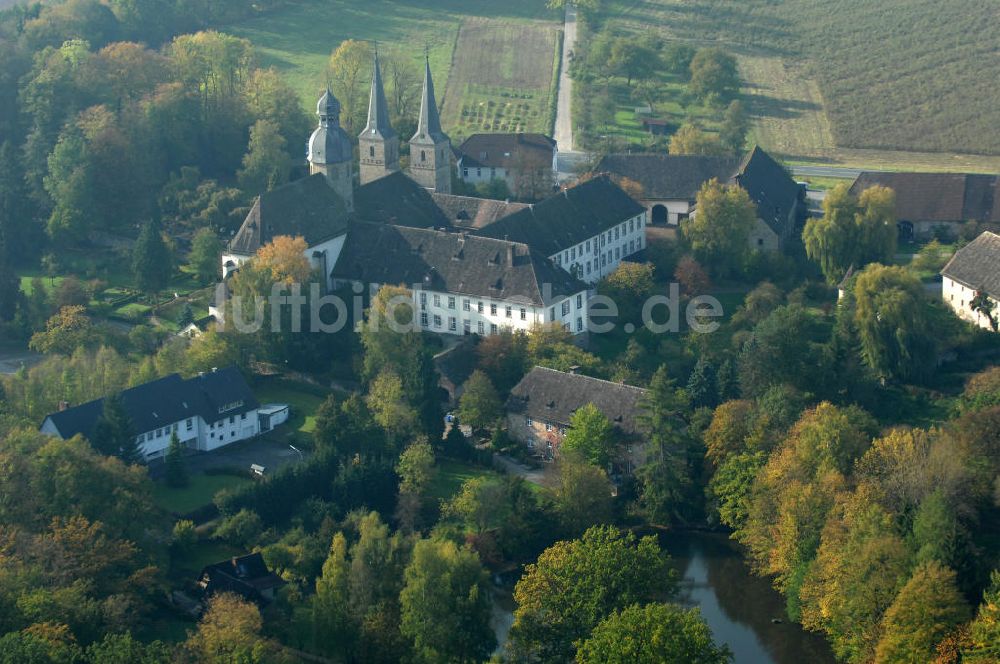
(849, 442)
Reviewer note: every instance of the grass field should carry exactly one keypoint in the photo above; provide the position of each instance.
(450, 476)
(502, 78)
(900, 83)
(299, 39)
(303, 399)
(199, 492)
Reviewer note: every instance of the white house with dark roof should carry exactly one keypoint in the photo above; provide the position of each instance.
(975, 268)
(587, 230)
(542, 404)
(526, 162)
(206, 412)
(461, 283)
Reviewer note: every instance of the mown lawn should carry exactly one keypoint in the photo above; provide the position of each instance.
(199, 492)
(450, 476)
(305, 400)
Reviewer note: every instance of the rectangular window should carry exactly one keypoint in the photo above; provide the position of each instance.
(603, 240)
(465, 305)
(524, 314)
(423, 300)
(437, 300)
(465, 172)
(565, 307)
(617, 253)
(588, 246)
(631, 225)
(437, 321)
(528, 421)
(467, 326)
(479, 307)
(604, 260)
(423, 319)
(493, 310)
(451, 302)
(579, 324)
(190, 423)
(631, 246)
(552, 313)
(579, 301)
(452, 324)
(508, 310)
(572, 254)
(616, 232)
(493, 328)
(548, 427)
(588, 267)
(243, 416)
(480, 328)
(232, 419)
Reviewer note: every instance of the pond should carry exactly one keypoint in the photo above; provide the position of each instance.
(738, 606)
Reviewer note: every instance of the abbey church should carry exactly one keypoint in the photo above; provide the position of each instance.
(475, 266)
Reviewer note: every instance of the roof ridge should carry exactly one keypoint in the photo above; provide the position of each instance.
(599, 380)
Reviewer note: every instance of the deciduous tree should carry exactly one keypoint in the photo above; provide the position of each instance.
(591, 437)
(479, 406)
(719, 232)
(576, 584)
(445, 604)
(652, 634)
(266, 164)
(927, 608)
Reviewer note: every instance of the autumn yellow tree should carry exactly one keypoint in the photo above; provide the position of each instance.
(690, 140)
(720, 231)
(348, 74)
(927, 608)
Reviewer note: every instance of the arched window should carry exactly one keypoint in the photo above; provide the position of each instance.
(371, 150)
(423, 156)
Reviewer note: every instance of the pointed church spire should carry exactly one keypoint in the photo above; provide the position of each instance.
(429, 127)
(378, 109)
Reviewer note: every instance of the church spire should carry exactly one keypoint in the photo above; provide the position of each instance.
(429, 126)
(378, 109)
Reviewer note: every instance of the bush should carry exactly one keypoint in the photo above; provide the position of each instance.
(184, 537)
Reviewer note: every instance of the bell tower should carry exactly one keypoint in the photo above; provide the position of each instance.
(330, 150)
(430, 148)
(378, 143)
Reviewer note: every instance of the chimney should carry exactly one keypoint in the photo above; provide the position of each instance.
(574, 369)
(214, 369)
(510, 255)
(63, 405)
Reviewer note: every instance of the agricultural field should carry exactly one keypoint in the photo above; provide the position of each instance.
(890, 98)
(503, 78)
(299, 39)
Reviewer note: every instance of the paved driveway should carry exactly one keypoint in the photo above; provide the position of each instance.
(269, 451)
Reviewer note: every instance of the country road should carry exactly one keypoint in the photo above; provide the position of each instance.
(567, 159)
(826, 172)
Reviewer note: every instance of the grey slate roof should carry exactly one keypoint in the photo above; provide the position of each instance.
(553, 396)
(518, 150)
(977, 264)
(246, 575)
(668, 177)
(378, 109)
(568, 218)
(770, 187)
(938, 197)
(679, 177)
(469, 212)
(397, 199)
(429, 125)
(164, 401)
(451, 262)
(308, 207)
